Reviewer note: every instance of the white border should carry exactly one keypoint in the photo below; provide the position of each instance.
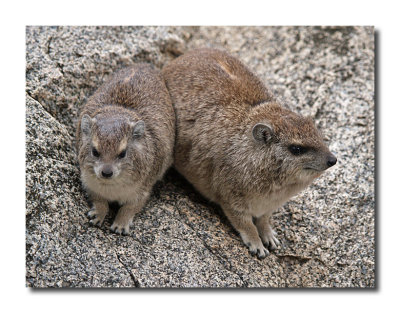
(383, 15)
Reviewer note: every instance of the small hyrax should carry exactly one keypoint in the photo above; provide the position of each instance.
(125, 141)
(237, 145)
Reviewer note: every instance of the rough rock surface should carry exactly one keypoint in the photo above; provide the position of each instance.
(179, 239)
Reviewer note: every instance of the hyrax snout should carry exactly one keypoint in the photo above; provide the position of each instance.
(237, 145)
(125, 140)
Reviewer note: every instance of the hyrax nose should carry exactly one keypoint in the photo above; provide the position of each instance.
(331, 160)
(107, 172)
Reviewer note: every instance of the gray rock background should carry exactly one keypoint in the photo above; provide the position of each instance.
(179, 239)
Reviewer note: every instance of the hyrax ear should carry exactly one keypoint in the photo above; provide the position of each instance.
(86, 125)
(262, 132)
(138, 129)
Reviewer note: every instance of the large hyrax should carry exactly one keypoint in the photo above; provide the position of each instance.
(237, 145)
(125, 141)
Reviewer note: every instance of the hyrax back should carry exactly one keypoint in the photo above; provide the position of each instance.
(125, 140)
(237, 145)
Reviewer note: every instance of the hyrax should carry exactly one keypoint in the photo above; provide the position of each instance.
(237, 145)
(125, 140)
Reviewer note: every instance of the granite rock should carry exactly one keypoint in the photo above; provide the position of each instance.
(180, 239)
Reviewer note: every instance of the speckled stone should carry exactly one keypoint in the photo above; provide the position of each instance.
(180, 239)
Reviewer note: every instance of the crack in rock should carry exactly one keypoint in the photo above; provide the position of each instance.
(299, 258)
(135, 281)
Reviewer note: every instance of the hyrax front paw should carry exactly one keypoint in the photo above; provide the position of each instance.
(267, 234)
(121, 229)
(256, 247)
(96, 217)
(269, 239)
(123, 219)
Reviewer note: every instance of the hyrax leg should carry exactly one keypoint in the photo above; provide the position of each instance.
(125, 216)
(266, 232)
(98, 211)
(243, 223)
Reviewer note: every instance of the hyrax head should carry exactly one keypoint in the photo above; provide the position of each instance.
(109, 144)
(292, 144)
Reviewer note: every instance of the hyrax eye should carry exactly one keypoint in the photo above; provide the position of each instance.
(122, 154)
(95, 153)
(297, 150)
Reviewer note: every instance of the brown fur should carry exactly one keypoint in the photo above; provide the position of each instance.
(218, 102)
(131, 112)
